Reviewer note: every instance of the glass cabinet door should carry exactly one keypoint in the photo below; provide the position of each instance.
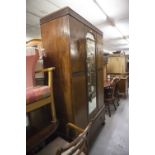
(91, 72)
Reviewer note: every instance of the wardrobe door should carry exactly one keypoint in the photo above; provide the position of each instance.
(77, 45)
(78, 70)
(79, 99)
(100, 91)
(99, 51)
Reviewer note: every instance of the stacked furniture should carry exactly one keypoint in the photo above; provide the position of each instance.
(37, 43)
(75, 48)
(118, 66)
(40, 106)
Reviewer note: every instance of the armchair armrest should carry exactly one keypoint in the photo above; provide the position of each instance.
(50, 77)
(79, 143)
(45, 70)
(73, 126)
(77, 129)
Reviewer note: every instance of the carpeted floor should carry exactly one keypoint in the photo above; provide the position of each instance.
(113, 138)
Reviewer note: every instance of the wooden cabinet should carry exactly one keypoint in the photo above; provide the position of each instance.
(34, 43)
(117, 64)
(64, 36)
(123, 86)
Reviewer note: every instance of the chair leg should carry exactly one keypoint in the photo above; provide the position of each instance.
(109, 110)
(114, 105)
(54, 119)
(118, 101)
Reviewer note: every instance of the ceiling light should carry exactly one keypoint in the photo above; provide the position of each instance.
(123, 26)
(110, 32)
(115, 9)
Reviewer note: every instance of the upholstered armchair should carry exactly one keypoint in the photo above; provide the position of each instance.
(39, 96)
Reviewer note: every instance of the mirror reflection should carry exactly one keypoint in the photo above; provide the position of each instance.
(91, 72)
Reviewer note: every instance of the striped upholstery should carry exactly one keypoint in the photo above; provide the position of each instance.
(36, 93)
